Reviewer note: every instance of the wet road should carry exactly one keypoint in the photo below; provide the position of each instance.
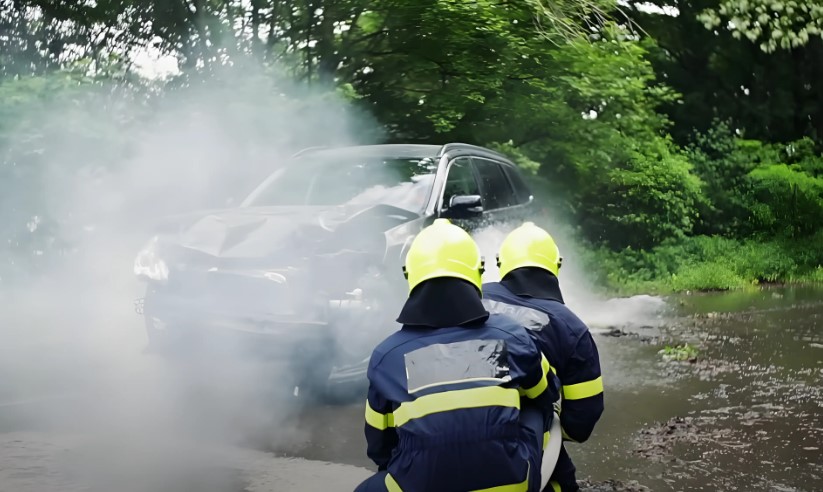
(746, 415)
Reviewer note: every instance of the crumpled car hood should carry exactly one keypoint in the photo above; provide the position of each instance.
(248, 233)
(266, 231)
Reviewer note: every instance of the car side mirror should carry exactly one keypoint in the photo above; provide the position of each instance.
(464, 205)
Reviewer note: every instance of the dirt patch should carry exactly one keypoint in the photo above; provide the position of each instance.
(709, 369)
(782, 440)
(616, 332)
(657, 443)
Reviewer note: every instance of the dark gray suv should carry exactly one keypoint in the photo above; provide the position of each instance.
(308, 268)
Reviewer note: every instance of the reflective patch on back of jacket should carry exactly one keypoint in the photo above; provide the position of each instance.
(530, 318)
(458, 362)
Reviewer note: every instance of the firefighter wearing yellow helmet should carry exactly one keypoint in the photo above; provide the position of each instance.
(447, 392)
(529, 263)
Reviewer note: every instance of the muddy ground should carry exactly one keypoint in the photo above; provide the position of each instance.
(746, 413)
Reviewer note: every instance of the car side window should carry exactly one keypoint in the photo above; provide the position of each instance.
(521, 189)
(460, 181)
(497, 191)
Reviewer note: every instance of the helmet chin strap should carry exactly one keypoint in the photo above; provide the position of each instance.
(497, 258)
(482, 268)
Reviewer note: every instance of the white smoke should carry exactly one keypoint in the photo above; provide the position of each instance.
(579, 293)
(71, 356)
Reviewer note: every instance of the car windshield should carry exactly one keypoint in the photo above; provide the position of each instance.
(400, 182)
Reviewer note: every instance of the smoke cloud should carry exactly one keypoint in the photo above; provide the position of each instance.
(111, 162)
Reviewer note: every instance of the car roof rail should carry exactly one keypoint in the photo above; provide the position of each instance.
(476, 148)
(309, 149)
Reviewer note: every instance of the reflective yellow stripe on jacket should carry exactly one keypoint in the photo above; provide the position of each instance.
(392, 486)
(582, 390)
(487, 396)
(541, 386)
(380, 421)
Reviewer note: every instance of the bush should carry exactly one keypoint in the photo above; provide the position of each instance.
(722, 161)
(786, 200)
(650, 198)
(712, 275)
(754, 187)
(706, 263)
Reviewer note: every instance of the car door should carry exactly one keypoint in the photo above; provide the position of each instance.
(498, 195)
(461, 181)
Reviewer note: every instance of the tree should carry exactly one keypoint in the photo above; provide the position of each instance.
(773, 24)
(766, 96)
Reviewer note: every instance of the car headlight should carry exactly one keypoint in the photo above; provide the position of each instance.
(149, 265)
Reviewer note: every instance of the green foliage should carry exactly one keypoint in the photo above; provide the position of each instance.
(723, 161)
(611, 76)
(650, 198)
(600, 136)
(767, 96)
(570, 19)
(815, 276)
(772, 24)
(708, 276)
(687, 159)
(754, 187)
(682, 352)
(703, 263)
(516, 155)
(786, 200)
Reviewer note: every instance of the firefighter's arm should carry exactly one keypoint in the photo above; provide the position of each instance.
(381, 436)
(536, 371)
(536, 384)
(582, 391)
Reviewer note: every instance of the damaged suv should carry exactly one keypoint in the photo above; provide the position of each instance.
(307, 270)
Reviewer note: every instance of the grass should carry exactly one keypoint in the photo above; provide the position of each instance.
(706, 263)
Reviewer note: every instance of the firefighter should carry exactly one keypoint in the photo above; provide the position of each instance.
(458, 399)
(529, 291)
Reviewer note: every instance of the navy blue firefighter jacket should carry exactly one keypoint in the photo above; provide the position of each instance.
(444, 402)
(565, 340)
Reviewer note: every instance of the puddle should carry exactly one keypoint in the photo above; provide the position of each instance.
(746, 414)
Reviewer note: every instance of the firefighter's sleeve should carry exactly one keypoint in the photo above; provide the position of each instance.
(381, 436)
(536, 374)
(582, 391)
(537, 387)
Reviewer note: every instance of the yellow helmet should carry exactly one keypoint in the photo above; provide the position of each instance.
(443, 250)
(528, 246)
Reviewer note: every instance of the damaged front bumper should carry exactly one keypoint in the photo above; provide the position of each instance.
(335, 345)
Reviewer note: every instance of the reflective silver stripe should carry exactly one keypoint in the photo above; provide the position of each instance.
(530, 318)
(464, 361)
